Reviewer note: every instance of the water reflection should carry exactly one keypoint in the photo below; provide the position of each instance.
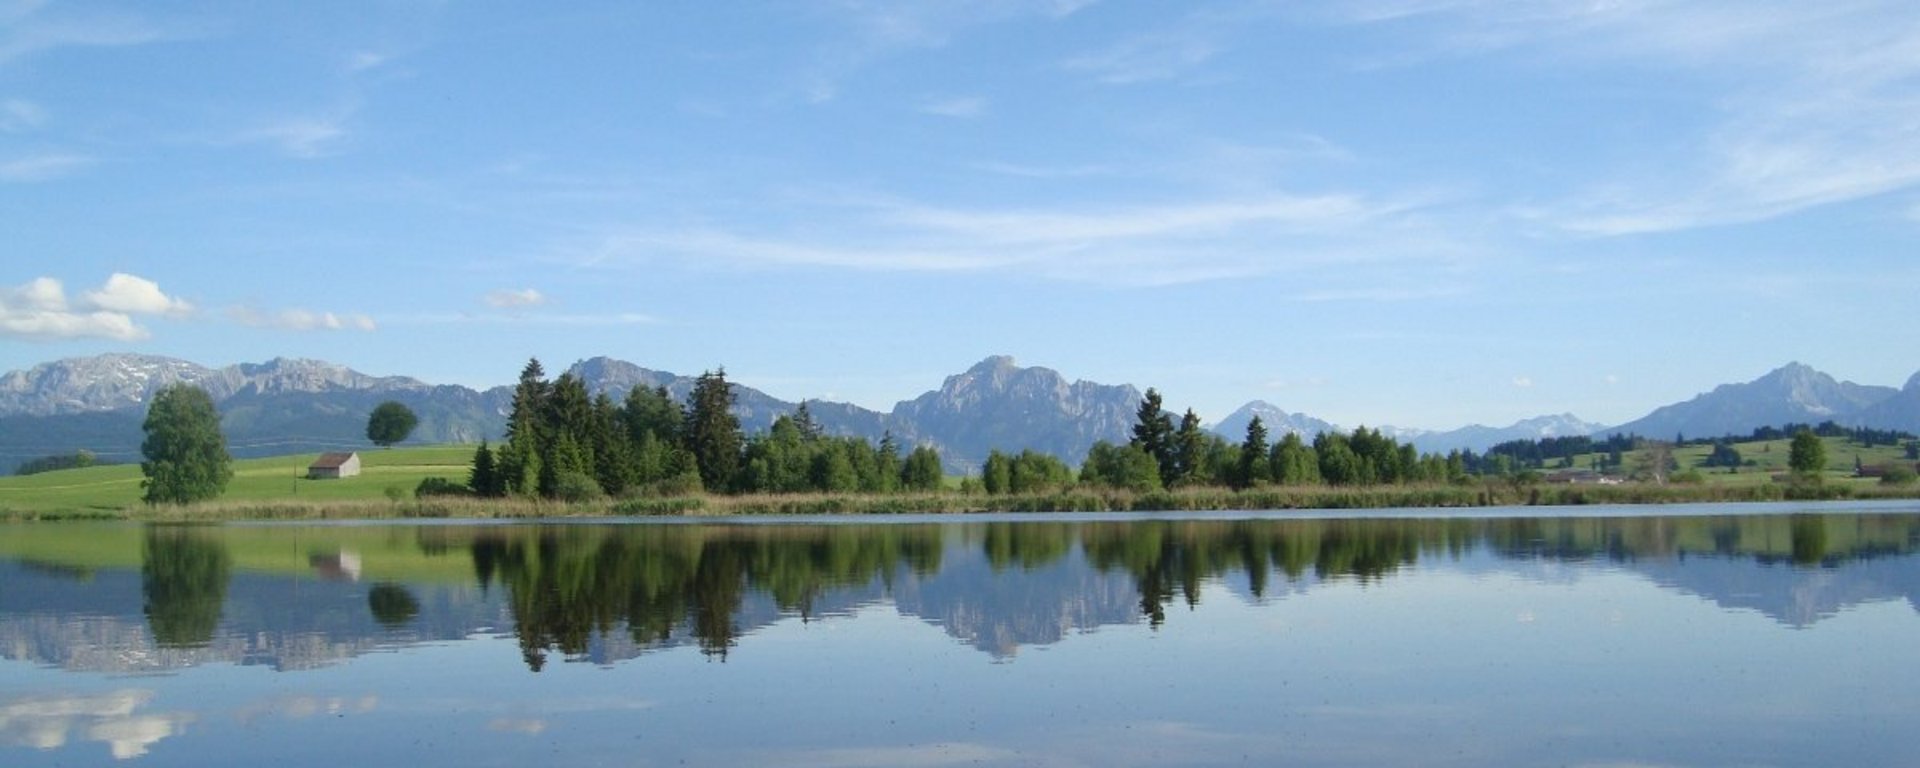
(183, 576)
(603, 593)
(47, 722)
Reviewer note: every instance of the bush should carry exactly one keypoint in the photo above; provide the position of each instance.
(577, 488)
(440, 486)
(1899, 474)
(685, 484)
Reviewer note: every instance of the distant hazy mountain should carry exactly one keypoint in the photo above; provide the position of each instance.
(1479, 438)
(996, 404)
(1277, 422)
(1472, 437)
(277, 407)
(293, 406)
(1793, 393)
(1901, 411)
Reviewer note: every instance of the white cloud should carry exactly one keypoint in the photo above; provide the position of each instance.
(955, 106)
(1523, 382)
(301, 320)
(18, 115)
(39, 310)
(507, 299)
(42, 294)
(135, 295)
(40, 326)
(42, 167)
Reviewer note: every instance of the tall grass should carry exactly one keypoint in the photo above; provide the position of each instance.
(1071, 499)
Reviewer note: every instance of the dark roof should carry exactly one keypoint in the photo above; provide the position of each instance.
(330, 461)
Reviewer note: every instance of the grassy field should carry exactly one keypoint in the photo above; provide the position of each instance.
(277, 479)
(276, 488)
(1769, 458)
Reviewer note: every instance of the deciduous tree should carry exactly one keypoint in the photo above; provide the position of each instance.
(186, 456)
(390, 422)
(1807, 456)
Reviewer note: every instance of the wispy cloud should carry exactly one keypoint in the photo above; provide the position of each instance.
(18, 115)
(1151, 58)
(297, 319)
(302, 137)
(40, 311)
(528, 318)
(31, 28)
(1815, 104)
(509, 299)
(955, 106)
(1071, 172)
(1140, 244)
(42, 167)
(918, 756)
(877, 31)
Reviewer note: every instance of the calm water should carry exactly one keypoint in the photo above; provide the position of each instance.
(1713, 637)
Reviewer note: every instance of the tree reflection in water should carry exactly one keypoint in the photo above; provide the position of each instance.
(183, 583)
(673, 583)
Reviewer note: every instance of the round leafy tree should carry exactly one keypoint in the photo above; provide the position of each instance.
(1807, 456)
(390, 423)
(186, 456)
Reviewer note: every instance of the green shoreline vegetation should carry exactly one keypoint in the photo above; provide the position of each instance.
(568, 453)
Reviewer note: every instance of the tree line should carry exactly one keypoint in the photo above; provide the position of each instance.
(1160, 455)
(565, 443)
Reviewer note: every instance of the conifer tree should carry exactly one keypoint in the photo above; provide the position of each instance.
(712, 431)
(1253, 455)
(1153, 432)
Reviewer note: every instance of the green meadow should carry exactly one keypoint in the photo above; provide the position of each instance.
(277, 488)
(276, 479)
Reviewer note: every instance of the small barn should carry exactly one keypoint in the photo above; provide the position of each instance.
(333, 466)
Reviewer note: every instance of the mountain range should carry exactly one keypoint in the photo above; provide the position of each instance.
(291, 406)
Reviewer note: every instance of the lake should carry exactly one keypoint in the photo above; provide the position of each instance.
(1677, 636)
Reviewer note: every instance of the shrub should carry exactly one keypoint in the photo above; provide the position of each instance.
(577, 488)
(1899, 474)
(440, 486)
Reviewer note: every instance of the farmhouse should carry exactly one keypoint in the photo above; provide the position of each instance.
(333, 466)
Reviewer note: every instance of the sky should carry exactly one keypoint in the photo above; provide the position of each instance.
(1421, 213)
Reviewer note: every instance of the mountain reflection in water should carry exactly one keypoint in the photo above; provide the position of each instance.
(275, 596)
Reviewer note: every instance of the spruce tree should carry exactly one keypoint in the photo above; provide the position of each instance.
(712, 431)
(1153, 432)
(520, 458)
(1253, 455)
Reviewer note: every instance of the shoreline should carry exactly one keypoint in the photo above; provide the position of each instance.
(1271, 498)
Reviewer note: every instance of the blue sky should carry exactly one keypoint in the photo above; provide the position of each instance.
(1422, 213)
